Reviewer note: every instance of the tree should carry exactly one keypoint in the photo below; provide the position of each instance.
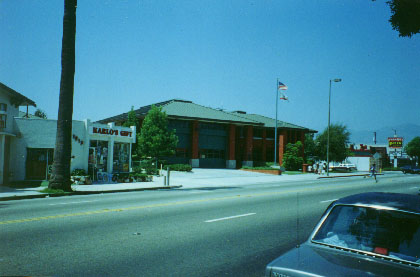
(310, 147)
(339, 138)
(132, 120)
(413, 148)
(292, 159)
(60, 177)
(405, 16)
(40, 113)
(155, 139)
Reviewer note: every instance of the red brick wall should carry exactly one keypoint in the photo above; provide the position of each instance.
(282, 144)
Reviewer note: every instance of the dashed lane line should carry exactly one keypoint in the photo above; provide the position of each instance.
(229, 217)
(103, 211)
(67, 203)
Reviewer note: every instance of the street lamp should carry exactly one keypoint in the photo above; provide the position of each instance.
(328, 132)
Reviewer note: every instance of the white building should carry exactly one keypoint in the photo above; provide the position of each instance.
(27, 144)
(10, 101)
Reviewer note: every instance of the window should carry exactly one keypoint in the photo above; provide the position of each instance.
(212, 154)
(121, 157)
(3, 107)
(270, 133)
(392, 233)
(182, 153)
(3, 118)
(98, 155)
(258, 133)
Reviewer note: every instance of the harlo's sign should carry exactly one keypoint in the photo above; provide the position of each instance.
(110, 132)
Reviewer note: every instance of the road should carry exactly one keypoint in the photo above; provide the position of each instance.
(220, 231)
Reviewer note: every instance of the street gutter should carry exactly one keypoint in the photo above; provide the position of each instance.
(45, 195)
(341, 176)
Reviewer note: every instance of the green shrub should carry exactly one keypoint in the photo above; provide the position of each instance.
(391, 169)
(139, 176)
(146, 166)
(78, 172)
(152, 171)
(292, 160)
(180, 167)
(138, 169)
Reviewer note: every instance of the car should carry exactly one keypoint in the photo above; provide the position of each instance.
(410, 169)
(343, 167)
(367, 234)
(406, 169)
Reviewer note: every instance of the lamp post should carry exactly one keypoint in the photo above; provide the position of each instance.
(328, 132)
(275, 130)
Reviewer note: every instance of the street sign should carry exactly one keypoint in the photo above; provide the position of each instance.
(395, 142)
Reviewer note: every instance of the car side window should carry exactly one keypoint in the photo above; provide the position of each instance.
(387, 232)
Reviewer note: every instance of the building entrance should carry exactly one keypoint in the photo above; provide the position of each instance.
(37, 162)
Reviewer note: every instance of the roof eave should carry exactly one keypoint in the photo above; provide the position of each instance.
(17, 98)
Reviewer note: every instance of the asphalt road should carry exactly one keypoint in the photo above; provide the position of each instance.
(213, 231)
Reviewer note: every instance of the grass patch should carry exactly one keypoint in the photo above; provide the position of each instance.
(45, 183)
(259, 168)
(293, 172)
(54, 191)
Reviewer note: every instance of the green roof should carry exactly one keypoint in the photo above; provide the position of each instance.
(184, 109)
(188, 109)
(271, 122)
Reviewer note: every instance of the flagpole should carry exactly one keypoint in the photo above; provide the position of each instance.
(275, 130)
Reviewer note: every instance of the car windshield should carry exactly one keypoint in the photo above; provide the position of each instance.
(392, 233)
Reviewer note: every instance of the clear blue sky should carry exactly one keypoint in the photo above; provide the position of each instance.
(218, 53)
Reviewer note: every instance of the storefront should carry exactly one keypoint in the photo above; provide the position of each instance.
(99, 149)
(109, 150)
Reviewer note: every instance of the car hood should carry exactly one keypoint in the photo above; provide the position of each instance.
(317, 260)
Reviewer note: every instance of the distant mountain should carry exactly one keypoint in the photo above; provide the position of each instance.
(407, 131)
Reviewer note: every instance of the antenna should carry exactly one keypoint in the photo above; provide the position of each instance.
(297, 220)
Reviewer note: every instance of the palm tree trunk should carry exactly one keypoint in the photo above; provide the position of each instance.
(60, 178)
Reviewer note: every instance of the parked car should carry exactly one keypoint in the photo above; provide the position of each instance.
(343, 167)
(410, 169)
(368, 234)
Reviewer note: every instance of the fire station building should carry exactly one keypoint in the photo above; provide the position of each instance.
(213, 138)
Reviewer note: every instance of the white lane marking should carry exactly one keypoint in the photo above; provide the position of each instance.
(229, 217)
(414, 187)
(325, 201)
(72, 203)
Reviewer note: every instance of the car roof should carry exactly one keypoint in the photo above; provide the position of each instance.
(400, 201)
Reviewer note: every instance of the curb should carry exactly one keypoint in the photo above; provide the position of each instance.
(45, 195)
(342, 176)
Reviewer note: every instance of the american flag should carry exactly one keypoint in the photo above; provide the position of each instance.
(281, 86)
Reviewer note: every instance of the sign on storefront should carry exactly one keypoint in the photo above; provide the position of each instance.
(395, 142)
(116, 131)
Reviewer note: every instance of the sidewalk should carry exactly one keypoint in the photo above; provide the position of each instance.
(198, 178)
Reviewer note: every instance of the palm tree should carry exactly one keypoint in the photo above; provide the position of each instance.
(60, 178)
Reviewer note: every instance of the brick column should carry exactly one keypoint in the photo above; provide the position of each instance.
(264, 145)
(231, 162)
(195, 161)
(248, 146)
(282, 144)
